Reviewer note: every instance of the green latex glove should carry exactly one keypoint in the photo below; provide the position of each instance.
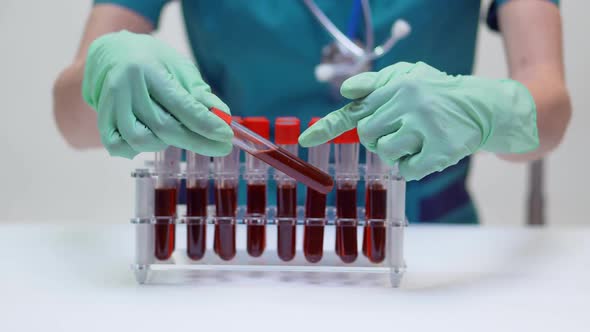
(427, 120)
(148, 97)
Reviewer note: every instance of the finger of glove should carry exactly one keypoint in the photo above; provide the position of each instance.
(369, 134)
(135, 133)
(361, 85)
(189, 77)
(116, 145)
(210, 100)
(384, 120)
(336, 123)
(186, 108)
(424, 70)
(110, 136)
(378, 112)
(426, 162)
(174, 133)
(401, 144)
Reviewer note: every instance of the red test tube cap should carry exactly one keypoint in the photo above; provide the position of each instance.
(224, 116)
(347, 137)
(259, 125)
(287, 130)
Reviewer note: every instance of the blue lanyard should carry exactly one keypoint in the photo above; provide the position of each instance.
(353, 22)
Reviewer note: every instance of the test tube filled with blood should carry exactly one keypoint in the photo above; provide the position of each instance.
(226, 175)
(287, 131)
(315, 205)
(256, 176)
(167, 167)
(346, 160)
(197, 179)
(279, 158)
(375, 208)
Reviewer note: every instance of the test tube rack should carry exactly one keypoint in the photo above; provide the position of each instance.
(144, 223)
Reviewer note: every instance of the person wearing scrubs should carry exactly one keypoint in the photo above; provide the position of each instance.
(417, 105)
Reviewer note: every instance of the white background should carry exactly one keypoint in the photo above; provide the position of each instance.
(41, 179)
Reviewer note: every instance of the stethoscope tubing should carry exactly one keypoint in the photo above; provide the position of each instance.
(343, 41)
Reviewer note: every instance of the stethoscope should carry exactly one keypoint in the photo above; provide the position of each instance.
(346, 57)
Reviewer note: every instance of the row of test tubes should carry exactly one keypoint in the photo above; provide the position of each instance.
(226, 173)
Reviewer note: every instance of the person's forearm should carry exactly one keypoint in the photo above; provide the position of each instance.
(553, 110)
(75, 120)
(533, 39)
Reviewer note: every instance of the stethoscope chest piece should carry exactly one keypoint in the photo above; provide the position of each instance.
(337, 65)
(345, 57)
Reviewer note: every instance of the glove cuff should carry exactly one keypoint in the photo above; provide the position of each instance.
(514, 128)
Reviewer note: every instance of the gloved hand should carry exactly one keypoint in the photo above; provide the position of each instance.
(428, 120)
(148, 97)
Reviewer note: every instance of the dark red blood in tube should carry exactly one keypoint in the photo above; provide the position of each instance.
(287, 200)
(346, 202)
(348, 250)
(256, 208)
(374, 233)
(315, 204)
(224, 242)
(256, 199)
(225, 238)
(313, 233)
(165, 206)
(286, 239)
(296, 168)
(256, 239)
(225, 202)
(313, 242)
(196, 229)
(376, 202)
(346, 233)
(286, 208)
(375, 237)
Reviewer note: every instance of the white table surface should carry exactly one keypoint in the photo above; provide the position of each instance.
(65, 277)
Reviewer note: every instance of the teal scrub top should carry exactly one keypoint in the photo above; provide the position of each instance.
(259, 57)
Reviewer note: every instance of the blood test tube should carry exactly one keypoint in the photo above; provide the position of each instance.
(277, 157)
(197, 178)
(167, 166)
(315, 205)
(256, 176)
(226, 175)
(375, 208)
(346, 159)
(287, 131)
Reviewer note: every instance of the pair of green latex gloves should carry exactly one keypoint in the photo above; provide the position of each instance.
(148, 97)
